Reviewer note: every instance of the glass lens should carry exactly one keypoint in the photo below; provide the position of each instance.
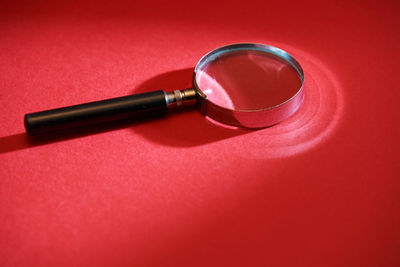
(247, 79)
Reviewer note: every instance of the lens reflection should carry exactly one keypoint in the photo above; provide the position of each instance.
(248, 80)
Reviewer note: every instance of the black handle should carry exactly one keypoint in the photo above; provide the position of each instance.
(152, 103)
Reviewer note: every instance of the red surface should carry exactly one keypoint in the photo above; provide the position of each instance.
(321, 189)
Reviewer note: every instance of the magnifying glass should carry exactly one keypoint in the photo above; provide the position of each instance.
(245, 85)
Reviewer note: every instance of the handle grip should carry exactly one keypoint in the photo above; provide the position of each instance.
(132, 106)
(152, 103)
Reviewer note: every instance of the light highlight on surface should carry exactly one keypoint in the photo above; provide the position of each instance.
(313, 123)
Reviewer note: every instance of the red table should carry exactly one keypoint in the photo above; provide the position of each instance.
(320, 189)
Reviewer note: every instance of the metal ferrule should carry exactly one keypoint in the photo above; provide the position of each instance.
(181, 98)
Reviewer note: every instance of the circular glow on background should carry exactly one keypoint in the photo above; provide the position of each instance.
(313, 123)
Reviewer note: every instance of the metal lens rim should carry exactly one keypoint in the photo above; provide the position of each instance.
(209, 57)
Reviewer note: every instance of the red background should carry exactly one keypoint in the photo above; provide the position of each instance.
(321, 189)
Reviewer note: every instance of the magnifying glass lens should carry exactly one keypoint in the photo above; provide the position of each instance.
(247, 79)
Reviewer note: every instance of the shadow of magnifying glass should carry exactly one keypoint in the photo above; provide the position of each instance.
(179, 129)
(185, 128)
